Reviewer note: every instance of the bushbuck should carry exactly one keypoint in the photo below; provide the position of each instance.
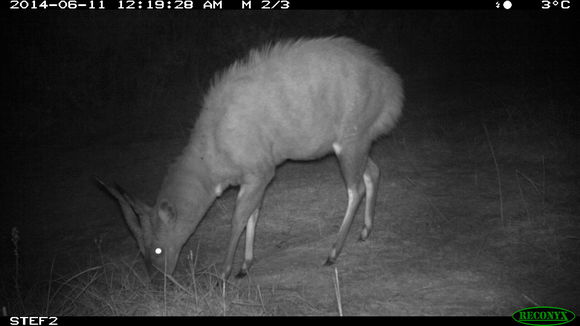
(296, 99)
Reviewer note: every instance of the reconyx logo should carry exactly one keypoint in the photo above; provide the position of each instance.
(543, 316)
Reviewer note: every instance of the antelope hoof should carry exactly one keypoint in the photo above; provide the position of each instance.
(330, 261)
(364, 234)
(242, 273)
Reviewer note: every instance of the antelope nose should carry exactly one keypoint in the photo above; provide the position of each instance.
(154, 274)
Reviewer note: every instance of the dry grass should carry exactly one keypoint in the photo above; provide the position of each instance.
(120, 288)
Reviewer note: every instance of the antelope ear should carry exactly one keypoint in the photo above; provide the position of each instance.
(166, 212)
(133, 211)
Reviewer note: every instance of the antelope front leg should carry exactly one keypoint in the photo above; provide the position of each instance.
(247, 203)
(249, 253)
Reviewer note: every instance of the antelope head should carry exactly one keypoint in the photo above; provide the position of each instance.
(156, 230)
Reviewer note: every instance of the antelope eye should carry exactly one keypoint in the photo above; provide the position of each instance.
(158, 251)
